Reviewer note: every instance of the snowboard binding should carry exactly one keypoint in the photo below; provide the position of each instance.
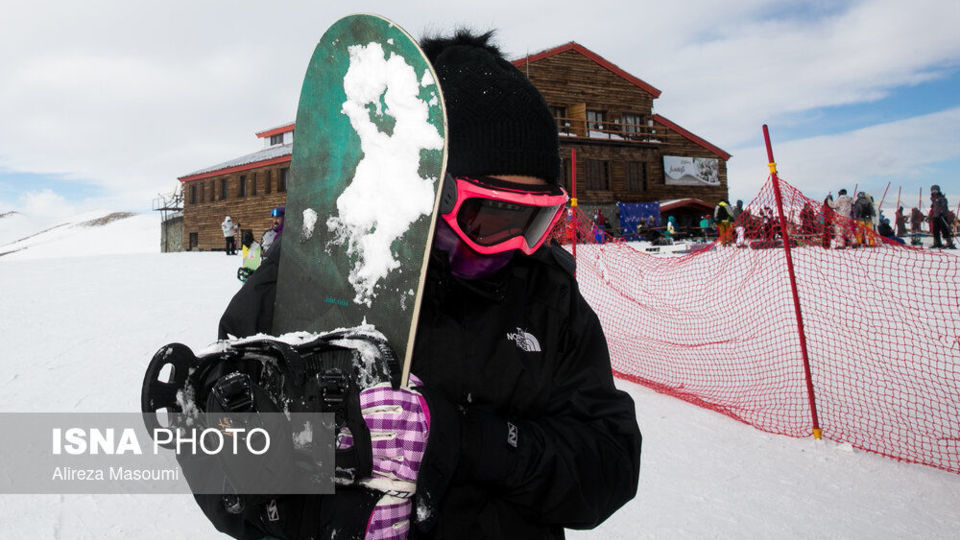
(319, 373)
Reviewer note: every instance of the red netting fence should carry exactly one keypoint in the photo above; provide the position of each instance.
(717, 327)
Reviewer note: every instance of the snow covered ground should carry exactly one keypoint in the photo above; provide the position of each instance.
(84, 310)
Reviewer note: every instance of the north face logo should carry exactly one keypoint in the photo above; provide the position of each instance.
(525, 340)
(513, 434)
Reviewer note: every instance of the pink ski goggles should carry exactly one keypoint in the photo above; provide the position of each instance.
(493, 216)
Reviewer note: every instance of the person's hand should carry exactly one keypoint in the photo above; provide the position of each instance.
(390, 519)
(399, 423)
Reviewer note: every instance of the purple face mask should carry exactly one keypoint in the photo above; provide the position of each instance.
(466, 263)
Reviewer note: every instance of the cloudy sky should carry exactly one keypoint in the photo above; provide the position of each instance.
(103, 104)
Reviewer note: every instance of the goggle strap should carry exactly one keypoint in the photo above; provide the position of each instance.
(448, 195)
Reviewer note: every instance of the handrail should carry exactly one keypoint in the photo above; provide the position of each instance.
(611, 130)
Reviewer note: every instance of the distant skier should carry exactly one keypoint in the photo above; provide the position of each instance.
(527, 432)
(228, 235)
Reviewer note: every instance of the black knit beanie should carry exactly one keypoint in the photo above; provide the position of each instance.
(498, 122)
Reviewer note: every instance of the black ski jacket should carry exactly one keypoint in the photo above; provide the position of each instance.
(528, 434)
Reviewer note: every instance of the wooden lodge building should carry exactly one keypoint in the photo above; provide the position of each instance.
(624, 152)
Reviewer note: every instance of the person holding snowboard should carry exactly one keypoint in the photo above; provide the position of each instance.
(515, 428)
(273, 233)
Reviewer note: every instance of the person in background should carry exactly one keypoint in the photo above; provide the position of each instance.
(900, 222)
(863, 214)
(940, 222)
(671, 229)
(916, 225)
(705, 227)
(886, 231)
(843, 207)
(601, 221)
(808, 223)
(826, 235)
(228, 235)
(723, 217)
(737, 210)
(273, 233)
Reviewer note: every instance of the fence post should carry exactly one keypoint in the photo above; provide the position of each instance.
(573, 203)
(785, 234)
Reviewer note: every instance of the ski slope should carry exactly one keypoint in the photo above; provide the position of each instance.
(79, 326)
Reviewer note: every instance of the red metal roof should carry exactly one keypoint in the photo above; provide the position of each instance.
(277, 130)
(691, 137)
(238, 168)
(573, 45)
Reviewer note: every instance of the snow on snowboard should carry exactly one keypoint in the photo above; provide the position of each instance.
(368, 159)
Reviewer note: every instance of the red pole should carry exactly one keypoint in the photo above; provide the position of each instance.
(573, 201)
(880, 207)
(793, 285)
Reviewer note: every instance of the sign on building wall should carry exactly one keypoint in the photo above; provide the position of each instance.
(691, 171)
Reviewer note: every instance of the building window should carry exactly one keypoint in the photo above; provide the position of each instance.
(253, 185)
(223, 189)
(563, 123)
(597, 174)
(595, 122)
(276, 139)
(267, 182)
(213, 193)
(193, 241)
(243, 185)
(193, 194)
(282, 181)
(632, 124)
(636, 176)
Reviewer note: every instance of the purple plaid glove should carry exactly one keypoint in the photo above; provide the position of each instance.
(390, 519)
(399, 423)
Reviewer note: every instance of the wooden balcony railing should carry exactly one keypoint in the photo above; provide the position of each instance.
(618, 131)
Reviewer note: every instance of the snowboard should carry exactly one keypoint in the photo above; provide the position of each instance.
(369, 156)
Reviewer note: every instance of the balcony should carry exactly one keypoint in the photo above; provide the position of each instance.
(614, 131)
